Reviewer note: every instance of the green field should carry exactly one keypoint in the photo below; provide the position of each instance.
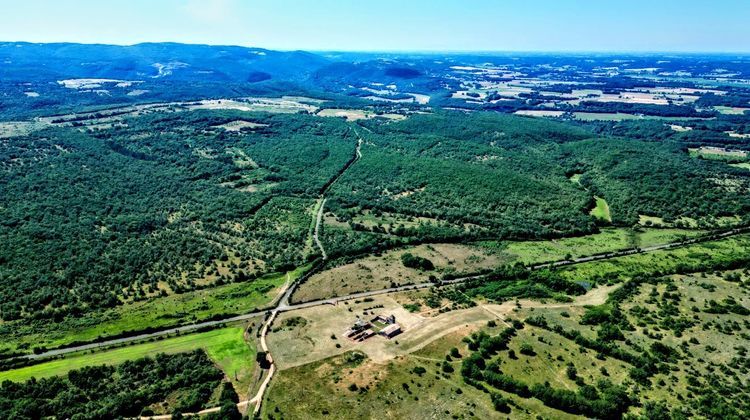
(730, 110)
(225, 346)
(743, 165)
(691, 258)
(601, 211)
(166, 311)
(608, 240)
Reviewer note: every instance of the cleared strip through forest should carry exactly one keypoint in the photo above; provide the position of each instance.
(283, 306)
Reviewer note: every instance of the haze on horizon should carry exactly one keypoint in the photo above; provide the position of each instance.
(389, 25)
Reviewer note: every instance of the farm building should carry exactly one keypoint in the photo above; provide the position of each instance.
(388, 320)
(357, 328)
(391, 330)
(365, 335)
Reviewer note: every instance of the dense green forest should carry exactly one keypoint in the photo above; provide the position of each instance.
(160, 203)
(130, 212)
(105, 392)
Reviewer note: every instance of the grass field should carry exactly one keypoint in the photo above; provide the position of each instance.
(716, 153)
(378, 272)
(601, 211)
(608, 240)
(731, 110)
(226, 347)
(381, 271)
(685, 259)
(744, 165)
(160, 312)
(347, 387)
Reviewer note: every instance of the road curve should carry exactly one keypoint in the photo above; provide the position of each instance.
(283, 305)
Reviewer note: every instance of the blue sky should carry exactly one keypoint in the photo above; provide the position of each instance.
(390, 25)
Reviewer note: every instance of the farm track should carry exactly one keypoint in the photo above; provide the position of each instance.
(284, 306)
(284, 301)
(281, 303)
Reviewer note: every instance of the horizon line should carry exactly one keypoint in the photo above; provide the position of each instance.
(426, 51)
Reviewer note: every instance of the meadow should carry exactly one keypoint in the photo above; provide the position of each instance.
(226, 347)
(154, 313)
(648, 348)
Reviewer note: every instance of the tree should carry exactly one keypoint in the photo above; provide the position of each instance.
(229, 411)
(262, 359)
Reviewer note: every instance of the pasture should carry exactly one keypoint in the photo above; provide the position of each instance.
(158, 312)
(225, 346)
(386, 270)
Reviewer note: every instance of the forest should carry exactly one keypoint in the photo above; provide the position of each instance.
(140, 209)
(105, 392)
(137, 196)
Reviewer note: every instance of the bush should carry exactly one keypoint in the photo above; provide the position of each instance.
(500, 403)
(419, 263)
(527, 350)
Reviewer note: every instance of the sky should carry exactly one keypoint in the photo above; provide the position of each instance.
(390, 25)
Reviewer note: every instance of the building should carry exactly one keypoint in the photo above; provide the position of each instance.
(388, 320)
(365, 335)
(359, 326)
(391, 330)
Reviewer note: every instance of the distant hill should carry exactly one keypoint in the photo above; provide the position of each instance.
(36, 62)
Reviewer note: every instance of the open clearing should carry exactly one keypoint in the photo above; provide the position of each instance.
(661, 261)
(94, 83)
(602, 116)
(313, 340)
(356, 114)
(378, 272)
(19, 128)
(226, 347)
(608, 240)
(731, 110)
(239, 125)
(278, 105)
(680, 128)
(724, 221)
(601, 211)
(391, 363)
(161, 312)
(540, 113)
(394, 390)
(718, 153)
(737, 135)
(381, 271)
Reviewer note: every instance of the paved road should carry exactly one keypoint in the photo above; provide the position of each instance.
(640, 250)
(284, 306)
